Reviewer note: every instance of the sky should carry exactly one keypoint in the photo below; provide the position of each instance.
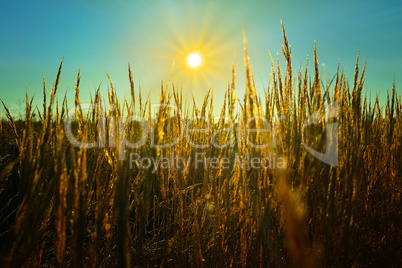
(156, 36)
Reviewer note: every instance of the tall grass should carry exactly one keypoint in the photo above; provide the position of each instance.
(66, 206)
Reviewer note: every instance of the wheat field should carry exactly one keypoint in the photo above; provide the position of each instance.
(66, 206)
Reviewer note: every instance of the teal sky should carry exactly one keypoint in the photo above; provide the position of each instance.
(99, 36)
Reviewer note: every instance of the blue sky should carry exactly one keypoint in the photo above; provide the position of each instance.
(99, 36)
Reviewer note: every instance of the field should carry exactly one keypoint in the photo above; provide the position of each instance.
(61, 205)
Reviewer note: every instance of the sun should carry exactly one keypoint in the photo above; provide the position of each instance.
(194, 60)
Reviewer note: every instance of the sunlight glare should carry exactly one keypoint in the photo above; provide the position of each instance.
(194, 60)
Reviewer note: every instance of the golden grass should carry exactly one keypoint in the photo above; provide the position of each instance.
(65, 206)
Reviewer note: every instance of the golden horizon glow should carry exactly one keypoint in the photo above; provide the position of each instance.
(194, 60)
